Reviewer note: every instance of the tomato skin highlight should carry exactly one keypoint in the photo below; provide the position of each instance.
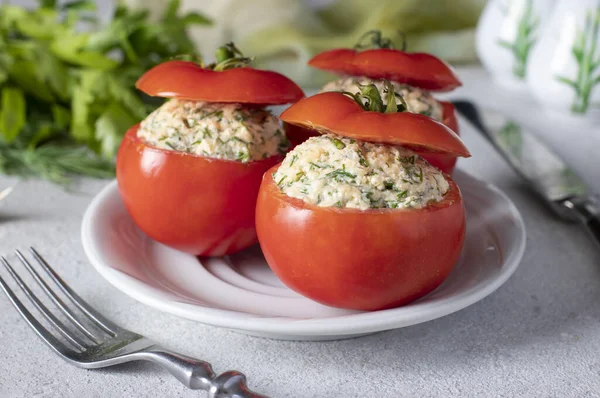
(189, 81)
(445, 163)
(360, 260)
(339, 114)
(415, 69)
(195, 204)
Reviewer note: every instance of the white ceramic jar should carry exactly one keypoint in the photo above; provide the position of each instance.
(507, 32)
(564, 69)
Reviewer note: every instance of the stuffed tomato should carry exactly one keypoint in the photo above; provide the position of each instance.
(355, 218)
(413, 77)
(189, 173)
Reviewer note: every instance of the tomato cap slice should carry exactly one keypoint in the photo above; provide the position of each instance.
(339, 114)
(188, 80)
(415, 69)
(442, 161)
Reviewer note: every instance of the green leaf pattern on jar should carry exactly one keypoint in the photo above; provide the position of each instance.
(586, 53)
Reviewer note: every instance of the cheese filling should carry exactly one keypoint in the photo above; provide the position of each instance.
(333, 171)
(417, 100)
(215, 130)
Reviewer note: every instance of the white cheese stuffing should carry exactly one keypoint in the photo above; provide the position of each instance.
(417, 100)
(215, 130)
(333, 171)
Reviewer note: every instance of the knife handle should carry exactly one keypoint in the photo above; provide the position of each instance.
(587, 211)
(593, 225)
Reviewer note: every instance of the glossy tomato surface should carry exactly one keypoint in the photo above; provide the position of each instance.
(188, 80)
(192, 203)
(442, 161)
(362, 260)
(415, 69)
(339, 114)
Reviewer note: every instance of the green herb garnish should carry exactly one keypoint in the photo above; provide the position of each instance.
(294, 158)
(361, 159)
(167, 143)
(340, 174)
(373, 39)
(407, 159)
(67, 84)
(338, 143)
(229, 57)
(242, 157)
(370, 99)
(240, 140)
(54, 162)
(318, 165)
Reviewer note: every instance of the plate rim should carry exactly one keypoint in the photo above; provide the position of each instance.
(344, 325)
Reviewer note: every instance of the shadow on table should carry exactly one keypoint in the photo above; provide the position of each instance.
(13, 217)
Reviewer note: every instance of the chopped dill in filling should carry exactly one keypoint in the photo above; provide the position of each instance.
(333, 171)
(417, 100)
(215, 130)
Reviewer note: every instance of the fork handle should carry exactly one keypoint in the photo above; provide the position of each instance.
(199, 375)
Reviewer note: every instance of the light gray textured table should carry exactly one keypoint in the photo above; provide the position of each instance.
(538, 335)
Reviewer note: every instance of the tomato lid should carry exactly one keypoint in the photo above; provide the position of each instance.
(337, 113)
(415, 69)
(190, 81)
(376, 57)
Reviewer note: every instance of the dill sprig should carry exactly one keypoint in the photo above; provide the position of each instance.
(588, 69)
(524, 40)
(57, 163)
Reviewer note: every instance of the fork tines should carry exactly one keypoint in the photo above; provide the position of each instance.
(83, 329)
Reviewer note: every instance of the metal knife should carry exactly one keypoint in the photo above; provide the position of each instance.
(544, 170)
(5, 192)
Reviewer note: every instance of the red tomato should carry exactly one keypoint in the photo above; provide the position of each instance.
(188, 80)
(444, 162)
(415, 69)
(339, 114)
(195, 204)
(297, 134)
(361, 260)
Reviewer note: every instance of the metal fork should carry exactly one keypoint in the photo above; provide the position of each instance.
(89, 340)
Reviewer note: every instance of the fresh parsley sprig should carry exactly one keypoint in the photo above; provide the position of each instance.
(229, 57)
(67, 94)
(370, 99)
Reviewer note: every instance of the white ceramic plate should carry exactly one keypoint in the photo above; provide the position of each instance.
(241, 292)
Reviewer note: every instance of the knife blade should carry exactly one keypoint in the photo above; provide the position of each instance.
(5, 192)
(562, 189)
